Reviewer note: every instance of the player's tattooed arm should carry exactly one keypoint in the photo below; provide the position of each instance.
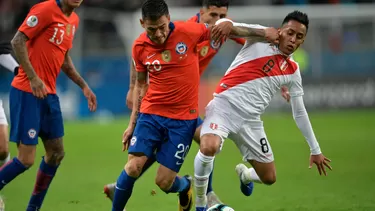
(140, 89)
(69, 69)
(133, 75)
(240, 31)
(19, 47)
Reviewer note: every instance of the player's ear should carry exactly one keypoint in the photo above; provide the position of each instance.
(169, 17)
(201, 11)
(142, 23)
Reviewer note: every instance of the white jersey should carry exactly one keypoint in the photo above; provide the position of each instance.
(256, 74)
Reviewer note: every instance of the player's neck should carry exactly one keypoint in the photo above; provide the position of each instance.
(282, 53)
(66, 9)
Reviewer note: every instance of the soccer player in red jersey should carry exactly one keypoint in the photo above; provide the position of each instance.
(167, 55)
(41, 45)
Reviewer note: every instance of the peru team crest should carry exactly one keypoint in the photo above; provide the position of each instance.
(215, 46)
(166, 56)
(181, 48)
(213, 126)
(204, 51)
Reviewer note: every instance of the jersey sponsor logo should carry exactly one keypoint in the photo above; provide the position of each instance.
(32, 133)
(60, 24)
(215, 45)
(213, 126)
(74, 30)
(32, 21)
(133, 140)
(204, 51)
(166, 56)
(181, 48)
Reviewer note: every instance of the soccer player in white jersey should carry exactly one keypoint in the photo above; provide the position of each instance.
(243, 94)
(7, 61)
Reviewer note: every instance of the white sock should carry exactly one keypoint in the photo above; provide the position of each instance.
(8, 62)
(2, 162)
(203, 166)
(250, 175)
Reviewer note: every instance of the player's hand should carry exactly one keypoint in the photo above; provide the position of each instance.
(321, 163)
(220, 32)
(128, 133)
(129, 99)
(38, 87)
(91, 98)
(272, 35)
(285, 93)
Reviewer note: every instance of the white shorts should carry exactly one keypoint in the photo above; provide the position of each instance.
(3, 118)
(222, 119)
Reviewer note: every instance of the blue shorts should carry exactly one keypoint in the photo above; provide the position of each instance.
(169, 139)
(199, 122)
(31, 117)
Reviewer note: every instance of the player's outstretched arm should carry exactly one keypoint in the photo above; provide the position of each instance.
(69, 69)
(227, 28)
(302, 120)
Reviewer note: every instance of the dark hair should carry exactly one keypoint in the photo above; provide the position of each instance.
(154, 9)
(299, 17)
(217, 3)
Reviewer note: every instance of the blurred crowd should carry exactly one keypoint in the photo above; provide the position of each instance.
(13, 12)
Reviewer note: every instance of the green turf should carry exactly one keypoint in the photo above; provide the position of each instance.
(94, 158)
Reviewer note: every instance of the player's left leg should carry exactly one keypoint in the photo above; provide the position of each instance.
(51, 132)
(171, 156)
(255, 148)
(212, 198)
(4, 150)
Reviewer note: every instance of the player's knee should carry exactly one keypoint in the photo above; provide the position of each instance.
(55, 158)
(133, 168)
(210, 144)
(27, 161)
(268, 179)
(164, 183)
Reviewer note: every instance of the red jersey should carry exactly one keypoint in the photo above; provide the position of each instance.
(173, 70)
(207, 49)
(50, 34)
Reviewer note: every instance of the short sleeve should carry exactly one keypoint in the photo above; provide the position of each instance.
(199, 31)
(39, 17)
(295, 86)
(137, 59)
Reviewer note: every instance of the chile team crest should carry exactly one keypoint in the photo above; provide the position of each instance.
(181, 48)
(215, 46)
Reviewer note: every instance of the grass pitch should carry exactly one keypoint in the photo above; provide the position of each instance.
(94, 158)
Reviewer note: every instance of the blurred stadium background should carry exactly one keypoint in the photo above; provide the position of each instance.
(337, 62)
(337, 58)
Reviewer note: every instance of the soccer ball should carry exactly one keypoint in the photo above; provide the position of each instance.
(220, 207)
